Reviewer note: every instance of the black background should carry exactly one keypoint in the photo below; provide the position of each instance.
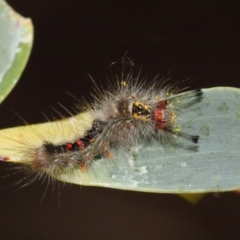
(189, 39)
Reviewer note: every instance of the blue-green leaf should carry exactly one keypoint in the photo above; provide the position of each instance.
(16, 41)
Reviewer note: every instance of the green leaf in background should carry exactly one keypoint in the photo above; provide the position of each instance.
(16, 37)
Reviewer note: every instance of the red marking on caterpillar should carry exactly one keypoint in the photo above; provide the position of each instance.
(159, 115)
(4, 159)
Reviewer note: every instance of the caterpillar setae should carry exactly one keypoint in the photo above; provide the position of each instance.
(129, 112)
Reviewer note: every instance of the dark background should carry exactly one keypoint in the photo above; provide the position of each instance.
(189, 39)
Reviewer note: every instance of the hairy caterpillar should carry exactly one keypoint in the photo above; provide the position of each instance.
(129, 112)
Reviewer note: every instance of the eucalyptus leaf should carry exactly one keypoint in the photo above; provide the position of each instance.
(16, 34)
(211, 165)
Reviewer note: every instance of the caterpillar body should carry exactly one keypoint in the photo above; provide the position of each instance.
(130, 112)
